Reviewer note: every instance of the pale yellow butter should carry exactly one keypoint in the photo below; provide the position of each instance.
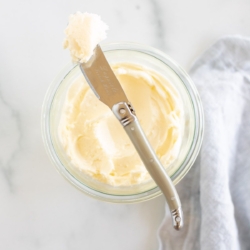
(83, 33)
(97, 144)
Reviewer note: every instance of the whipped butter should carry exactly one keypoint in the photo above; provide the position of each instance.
(97, 144)
(83, 33)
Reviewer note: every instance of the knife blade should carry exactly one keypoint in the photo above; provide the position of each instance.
(102, 80)
(107, 88)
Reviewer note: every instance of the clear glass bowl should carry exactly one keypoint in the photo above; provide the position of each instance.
(193, 128)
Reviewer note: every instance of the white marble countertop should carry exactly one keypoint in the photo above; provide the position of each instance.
(38, 208)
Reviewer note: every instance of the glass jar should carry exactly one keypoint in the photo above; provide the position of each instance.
(193, 123)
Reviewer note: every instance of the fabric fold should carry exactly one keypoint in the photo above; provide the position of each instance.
(215, 194)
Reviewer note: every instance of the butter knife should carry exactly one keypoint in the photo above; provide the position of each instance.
(107, 88)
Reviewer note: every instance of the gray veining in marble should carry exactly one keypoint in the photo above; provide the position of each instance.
(10, 134)
(158, 17)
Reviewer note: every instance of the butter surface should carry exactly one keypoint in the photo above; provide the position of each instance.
(83, 32)
(96, 142)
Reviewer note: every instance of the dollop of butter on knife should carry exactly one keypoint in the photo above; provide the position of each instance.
(83, 33)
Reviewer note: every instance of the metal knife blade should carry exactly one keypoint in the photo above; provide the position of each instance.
(102, 79)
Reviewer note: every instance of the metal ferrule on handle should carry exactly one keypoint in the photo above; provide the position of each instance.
(126, 115)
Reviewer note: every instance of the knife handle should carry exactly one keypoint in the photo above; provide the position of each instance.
(126, 115)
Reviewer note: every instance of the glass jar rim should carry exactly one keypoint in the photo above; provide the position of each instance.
(190, 157)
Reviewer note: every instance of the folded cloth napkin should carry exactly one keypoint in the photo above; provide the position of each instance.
(215, 194)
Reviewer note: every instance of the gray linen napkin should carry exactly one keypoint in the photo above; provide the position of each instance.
(215, 194)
